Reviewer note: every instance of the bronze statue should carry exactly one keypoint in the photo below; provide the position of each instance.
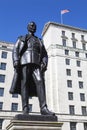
(30, 62)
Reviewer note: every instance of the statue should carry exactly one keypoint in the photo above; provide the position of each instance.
(30, 63)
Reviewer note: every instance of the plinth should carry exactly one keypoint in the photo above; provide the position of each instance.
(34, 122)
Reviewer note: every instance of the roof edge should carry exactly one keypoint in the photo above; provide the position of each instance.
(62, 25)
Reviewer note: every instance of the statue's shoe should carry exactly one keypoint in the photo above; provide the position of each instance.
(45, 111)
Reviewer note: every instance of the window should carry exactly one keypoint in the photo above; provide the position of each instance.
(82, 37)
(77, 54)
(2, 78)
(64, 42)
(15, 95)
(79, 73)
(69, 83)
(4, 46)
(73, 35)
(68, 72)
(3, 66)
(74, 44)
(84, 110)
(63, 33)
(4, 54)
(78, 63)
(1, 105)
(1, 121)
(14, 107)
(67, 61)
(71, 110)
(66, 52)
(30, 107)
(1, 92)
(80, 84)
(72, 125)
(83, 46)
(82, 96)
(85, 126)
(30, 97)
(85, 55)
(70, 95)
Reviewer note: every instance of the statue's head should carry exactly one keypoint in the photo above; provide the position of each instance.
(31, 27)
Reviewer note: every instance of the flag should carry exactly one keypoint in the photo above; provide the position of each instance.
(64, 11)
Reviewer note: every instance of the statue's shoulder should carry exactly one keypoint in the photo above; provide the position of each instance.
(37, 37)
(22, 38)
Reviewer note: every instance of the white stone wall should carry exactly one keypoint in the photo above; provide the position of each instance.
(56, 78)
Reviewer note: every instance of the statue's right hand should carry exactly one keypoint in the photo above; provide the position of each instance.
(16, 64)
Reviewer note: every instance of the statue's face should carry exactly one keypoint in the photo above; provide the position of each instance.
(32, 27)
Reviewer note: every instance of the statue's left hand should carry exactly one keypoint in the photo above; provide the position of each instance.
(17, 66)
(43, 67)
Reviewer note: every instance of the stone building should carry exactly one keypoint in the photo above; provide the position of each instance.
(66, 77)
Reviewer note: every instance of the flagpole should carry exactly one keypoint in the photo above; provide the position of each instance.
(61, 19)
(63, 12)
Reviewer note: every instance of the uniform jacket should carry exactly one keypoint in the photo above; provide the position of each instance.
(17, 55)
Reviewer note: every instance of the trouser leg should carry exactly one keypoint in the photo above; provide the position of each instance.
(39, 87)
(24, 90)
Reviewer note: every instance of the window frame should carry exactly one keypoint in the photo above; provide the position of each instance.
(4, 55)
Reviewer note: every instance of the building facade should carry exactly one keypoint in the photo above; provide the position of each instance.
(66, 83)
(66, 77)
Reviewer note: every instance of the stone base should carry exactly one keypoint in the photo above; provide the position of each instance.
(34, 122)
(35, 117)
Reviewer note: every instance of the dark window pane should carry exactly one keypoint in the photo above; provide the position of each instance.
(63, 33)
(84, 46)
(66, 52)
(30, 97)
(73, 35)
(4, 54)
(78, 63)
(1, 105)
(77, 54)
(80, 84)
(79, 73)
(68, 72)
(1, 121)
(30, 107)
(72, 125)
(86, 55)
(64, 42)
(84, 110)
(85, 126)
(1, 91)
(67, 61)
(71, 110)
(70, 95)
(69, 83)
(15, 95)
(74, 44)
(2, 78)
(14, 107)
(82, 96)
(3, 66)
(82, 37)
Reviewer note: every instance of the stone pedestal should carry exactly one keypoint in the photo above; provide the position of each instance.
(29, 122)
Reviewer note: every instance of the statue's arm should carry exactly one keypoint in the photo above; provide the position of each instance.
(44, 59)
(15, 54)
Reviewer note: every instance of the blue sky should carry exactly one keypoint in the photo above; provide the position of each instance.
(15, 15)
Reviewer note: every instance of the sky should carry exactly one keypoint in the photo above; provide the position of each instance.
(16, 14)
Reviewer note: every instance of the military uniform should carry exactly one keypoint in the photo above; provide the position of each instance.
(30, 54)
